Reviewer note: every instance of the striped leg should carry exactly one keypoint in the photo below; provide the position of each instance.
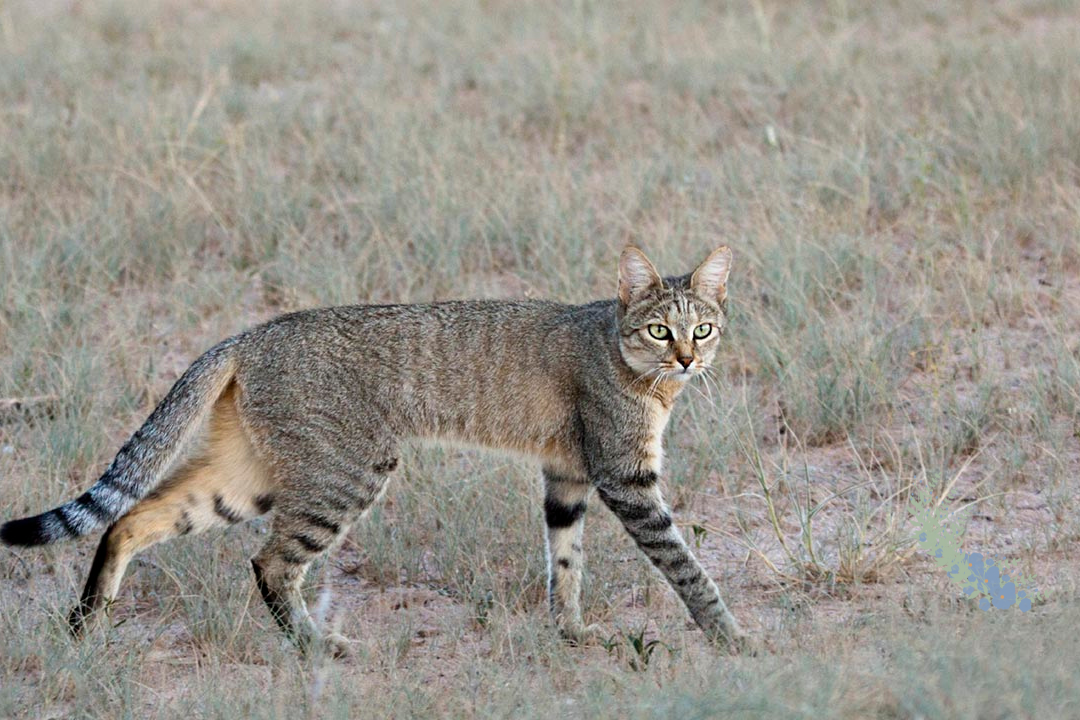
(638, 505)
(296, 541)
(307, 524)
(224, 485)
(564, 515)
(155, 520)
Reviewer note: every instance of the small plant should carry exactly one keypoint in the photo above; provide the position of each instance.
(993, 582)
(483, 604)
(643, 650)
(700, 534)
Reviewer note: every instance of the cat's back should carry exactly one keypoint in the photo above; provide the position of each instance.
(425, 331)
(493, 373)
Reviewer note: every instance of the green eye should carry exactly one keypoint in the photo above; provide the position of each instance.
(659, 332)
(702, 331)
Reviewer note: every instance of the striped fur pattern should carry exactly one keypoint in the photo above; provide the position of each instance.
(303, 417)
(142, 460)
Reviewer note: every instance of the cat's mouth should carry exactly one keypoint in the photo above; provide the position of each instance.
(680, 373)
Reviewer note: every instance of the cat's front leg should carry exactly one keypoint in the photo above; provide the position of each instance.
(565, 500)
(637, 502)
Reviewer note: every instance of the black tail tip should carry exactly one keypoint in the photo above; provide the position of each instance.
(26, 532)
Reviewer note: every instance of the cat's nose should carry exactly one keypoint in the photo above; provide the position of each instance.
(685, 360)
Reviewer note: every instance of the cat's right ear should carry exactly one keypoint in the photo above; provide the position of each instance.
(636, 275)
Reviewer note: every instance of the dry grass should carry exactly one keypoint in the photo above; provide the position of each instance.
(901, 185)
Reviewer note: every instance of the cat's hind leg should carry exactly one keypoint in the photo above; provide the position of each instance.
(224, 484)
(313, 512)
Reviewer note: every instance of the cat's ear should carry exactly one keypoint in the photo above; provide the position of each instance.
(636, 275)
(710, 279)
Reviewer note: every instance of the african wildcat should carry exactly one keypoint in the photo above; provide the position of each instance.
(304, 415)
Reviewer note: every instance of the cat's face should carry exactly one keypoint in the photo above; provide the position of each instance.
(670, 329)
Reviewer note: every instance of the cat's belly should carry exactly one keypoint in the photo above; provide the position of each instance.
(553, 449)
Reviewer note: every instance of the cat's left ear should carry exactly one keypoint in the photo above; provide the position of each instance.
(710, 279)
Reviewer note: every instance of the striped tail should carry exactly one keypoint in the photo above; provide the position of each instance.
(143, 460)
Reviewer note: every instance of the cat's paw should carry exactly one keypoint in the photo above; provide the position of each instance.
(748, 645)
(577, 635)
(337, 646)
(738, 643)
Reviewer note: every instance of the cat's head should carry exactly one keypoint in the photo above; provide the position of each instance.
(670, 327)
